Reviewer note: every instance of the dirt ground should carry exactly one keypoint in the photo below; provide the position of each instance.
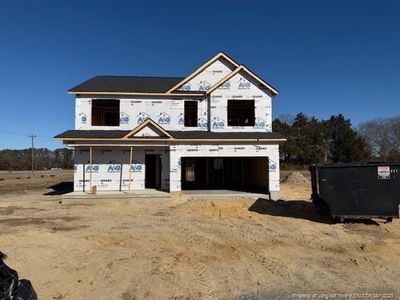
(189, 249)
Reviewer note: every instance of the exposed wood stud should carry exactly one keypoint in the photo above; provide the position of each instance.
(130, 168)
(91, 168)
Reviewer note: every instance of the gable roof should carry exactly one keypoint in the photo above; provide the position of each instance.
(148, 122)
(158, 86)
(247, 71)
(202, 68)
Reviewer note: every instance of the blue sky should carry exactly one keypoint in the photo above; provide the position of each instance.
(325, 57)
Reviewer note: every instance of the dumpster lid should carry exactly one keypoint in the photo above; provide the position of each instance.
(350, 165)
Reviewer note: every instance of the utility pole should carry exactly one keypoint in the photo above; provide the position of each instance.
(32, 136)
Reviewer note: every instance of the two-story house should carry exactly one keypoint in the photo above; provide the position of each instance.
(209, 130)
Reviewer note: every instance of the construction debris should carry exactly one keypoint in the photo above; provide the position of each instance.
(296, 178)
(11, 287)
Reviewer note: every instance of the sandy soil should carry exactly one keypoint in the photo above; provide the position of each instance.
(184, 249)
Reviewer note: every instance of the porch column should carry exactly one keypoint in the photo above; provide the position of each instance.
(130, 168)
(90, 168)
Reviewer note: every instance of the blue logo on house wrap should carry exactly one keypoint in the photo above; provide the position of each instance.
(83, 117)
(225, 86)
(272, 166)
(181, 119)
(186, 87)
(202, 123)
(218, 123)
(243, 84)
(124, 118)
(204, 85)
(164, 118)
(114, 168)
(95, 169)
(136, 166)
(141, 117)
(260, 123)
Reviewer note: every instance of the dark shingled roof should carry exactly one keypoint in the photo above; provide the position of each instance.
(90, 134)
(93, 134)
(127, 84)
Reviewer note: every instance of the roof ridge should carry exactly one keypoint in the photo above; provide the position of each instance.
(139, 76)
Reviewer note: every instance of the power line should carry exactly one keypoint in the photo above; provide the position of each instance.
(32, 136)
(24, 134)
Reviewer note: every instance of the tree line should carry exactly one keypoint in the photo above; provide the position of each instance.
(15, 160)
(335, 140)
(309, 141)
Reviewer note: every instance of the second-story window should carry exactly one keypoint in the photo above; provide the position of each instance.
(105, 112)
(241, 113)
(190, 113)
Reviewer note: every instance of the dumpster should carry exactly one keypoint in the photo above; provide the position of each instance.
(350, 191)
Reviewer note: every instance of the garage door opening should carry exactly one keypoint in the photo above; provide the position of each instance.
(248, 174)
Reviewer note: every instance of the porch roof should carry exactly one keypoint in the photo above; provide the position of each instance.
(117, 135)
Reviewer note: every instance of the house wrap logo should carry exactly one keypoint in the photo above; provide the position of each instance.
(186, 87)
(95, 169)
(243, 84)
(217, 123)
(203, 86)
(141, 117)
(225, 86)
(114, 168)
(202, 123)
(272, 166)
(259, 123)
(75, 168)
(83, 117)
(124, 118)
(181, 119)
(136, 167)
(164, 118)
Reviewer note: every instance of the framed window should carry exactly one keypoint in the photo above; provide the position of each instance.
(241, 113)
(105, 112)
(191, 113)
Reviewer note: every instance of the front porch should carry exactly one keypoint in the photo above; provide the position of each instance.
(112, 168)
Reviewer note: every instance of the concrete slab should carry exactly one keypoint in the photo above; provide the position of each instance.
(148, 194)
(222, 193)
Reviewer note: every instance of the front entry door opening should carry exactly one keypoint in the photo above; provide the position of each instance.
(152, 171)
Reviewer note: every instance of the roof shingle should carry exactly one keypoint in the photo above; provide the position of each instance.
(99, 134)
(127, 84)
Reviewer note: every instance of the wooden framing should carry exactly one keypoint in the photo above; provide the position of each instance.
(143, 125)
(236, 71)
(130, 166)
(91, 168)
(223, 80)
(201, 69)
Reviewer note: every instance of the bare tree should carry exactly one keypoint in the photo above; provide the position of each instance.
(383, 136)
